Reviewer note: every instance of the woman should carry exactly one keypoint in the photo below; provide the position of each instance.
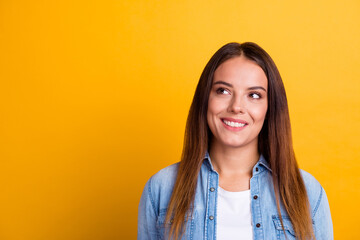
(238, 177)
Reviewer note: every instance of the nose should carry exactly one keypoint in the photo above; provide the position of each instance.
(237, 105)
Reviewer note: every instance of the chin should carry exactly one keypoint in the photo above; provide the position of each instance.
(234, 144)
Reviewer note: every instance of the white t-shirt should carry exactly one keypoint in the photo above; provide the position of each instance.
(234, 215)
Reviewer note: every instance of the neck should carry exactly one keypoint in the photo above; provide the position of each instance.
(234, 161)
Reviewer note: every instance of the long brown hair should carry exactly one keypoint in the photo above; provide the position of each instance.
(275, 143)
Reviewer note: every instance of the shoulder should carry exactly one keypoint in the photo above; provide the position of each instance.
(310, 181)
(314, 190)
(160, 186)
(165, 177)
(320, 209)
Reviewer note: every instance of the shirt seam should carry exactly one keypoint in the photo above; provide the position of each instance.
(216, 205)
(207, 204)
(318, 202)
(151, 198)
(259, 205)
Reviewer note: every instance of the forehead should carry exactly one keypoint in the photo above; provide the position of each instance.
(241, 71)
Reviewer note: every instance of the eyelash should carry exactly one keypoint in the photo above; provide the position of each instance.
(221, 91)
(255, 93)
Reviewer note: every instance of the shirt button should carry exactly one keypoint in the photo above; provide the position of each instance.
(212, 189)
(258, 225)
(257, 169)
(211, 217)
(255, 197)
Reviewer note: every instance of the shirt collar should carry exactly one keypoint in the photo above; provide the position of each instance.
(262, 161)
(208, 160)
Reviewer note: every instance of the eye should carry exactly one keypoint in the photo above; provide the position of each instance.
(222, 91)
(255, 95)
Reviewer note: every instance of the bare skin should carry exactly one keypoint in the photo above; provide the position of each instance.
(234, 167)
(239, 93)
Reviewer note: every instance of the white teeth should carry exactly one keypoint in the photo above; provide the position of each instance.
(234, 124)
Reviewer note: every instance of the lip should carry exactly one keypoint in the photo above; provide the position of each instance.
(235, 129)
(234, 120)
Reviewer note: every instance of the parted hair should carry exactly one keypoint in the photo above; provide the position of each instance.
(274, 143)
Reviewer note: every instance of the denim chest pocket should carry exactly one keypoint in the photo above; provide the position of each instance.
(290, 233)
(164, 227)
(288, 227)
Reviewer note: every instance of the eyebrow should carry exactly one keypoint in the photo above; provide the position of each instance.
(230, 85)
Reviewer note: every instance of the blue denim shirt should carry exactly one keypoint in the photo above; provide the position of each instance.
(202, 224)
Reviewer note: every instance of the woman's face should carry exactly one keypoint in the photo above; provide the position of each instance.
(237, 103)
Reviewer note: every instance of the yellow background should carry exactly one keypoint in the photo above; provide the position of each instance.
(94, 96)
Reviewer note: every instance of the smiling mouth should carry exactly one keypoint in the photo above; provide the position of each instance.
(233, 124)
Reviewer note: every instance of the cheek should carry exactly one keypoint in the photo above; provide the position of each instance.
(259, 113)
(209, 114)
(216, 105)
(214, 108)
